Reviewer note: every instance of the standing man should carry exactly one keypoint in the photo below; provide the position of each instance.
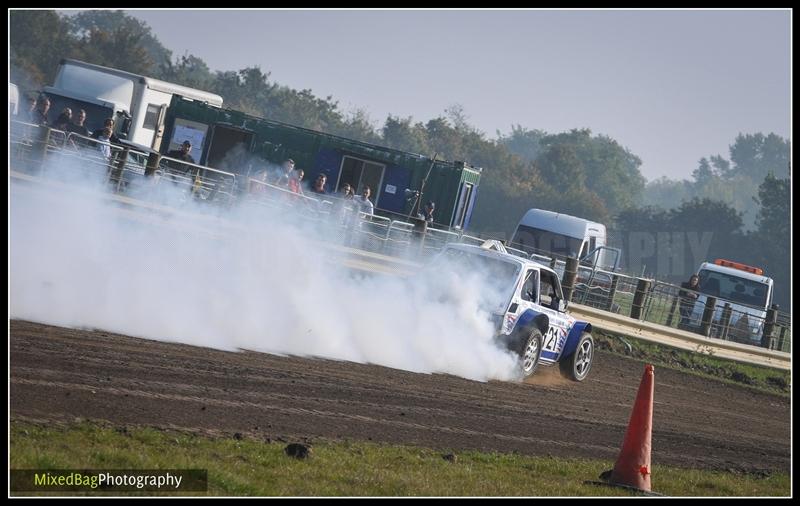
(182, 154)
(427, 212)
(107, 123)
(319, 185)
(40, 114)
(365, 205)
(688, 296)
(77, 125)
(282, 175)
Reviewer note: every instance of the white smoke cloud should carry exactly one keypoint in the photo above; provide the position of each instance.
(255, 279)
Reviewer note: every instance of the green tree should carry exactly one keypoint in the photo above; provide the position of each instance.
(38, 40)
(82, 24)
(189, 70)
(119, 48)
(770, 243)
(404, 134)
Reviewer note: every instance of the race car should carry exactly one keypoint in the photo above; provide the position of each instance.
(528, 308)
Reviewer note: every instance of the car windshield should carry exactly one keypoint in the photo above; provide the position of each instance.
(497, 275)
(734, 288)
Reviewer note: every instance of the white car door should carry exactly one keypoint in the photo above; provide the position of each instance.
(549, 295)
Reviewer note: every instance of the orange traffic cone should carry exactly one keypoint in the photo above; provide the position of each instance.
(632, 468)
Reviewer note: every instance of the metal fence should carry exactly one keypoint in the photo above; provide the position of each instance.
(55, 154)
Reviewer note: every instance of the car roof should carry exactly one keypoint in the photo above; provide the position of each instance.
(506, 257)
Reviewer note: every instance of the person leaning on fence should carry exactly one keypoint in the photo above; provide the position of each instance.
(64, 120)
(29, 115)
(40, 113)
(427, 212)
(104, 148)
(688, 297)
(77, 126)
(294, 181)
(282, 175)
(107, 123)
(318, 188)
(183, 153)
(364, 203)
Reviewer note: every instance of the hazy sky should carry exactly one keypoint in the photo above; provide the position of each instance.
(671, 86)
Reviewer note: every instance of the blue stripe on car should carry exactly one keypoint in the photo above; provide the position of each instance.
(574, 336)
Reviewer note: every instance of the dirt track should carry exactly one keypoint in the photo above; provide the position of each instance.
(60, 374)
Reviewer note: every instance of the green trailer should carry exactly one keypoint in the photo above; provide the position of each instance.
(401, 182)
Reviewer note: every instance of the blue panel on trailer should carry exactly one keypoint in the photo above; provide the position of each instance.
(395, 181)
(328, 162)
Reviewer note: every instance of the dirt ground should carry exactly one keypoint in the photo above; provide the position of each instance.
(60, 375)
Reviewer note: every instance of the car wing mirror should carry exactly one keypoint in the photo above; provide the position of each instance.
(562, 304)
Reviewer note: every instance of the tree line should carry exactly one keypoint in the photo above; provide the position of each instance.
(576, 172)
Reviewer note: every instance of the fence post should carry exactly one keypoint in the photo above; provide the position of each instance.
(153, 159)
(642, 287)
(119, 167)
(769, 326)
(570, 274)
(708, 314)
(781, 339)
(39, 150)
(612, 291)
(419, 232)
(725, 321)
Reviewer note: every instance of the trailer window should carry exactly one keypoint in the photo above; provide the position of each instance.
(151, 116)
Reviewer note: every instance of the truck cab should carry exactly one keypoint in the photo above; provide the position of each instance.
(744, 289)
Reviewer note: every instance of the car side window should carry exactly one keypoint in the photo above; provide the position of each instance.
(529, 286)
(547, 290)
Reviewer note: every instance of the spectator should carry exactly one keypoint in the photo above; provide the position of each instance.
(29, 115)
(77, 125)
(104, 148)
(281, 176)
(181, 154)
(40, 113)
(319, 185)
(108, 123)
(363, 202)
(64, 120)
(427, 212)
(346, 192)
(294, 181)
(688, 296)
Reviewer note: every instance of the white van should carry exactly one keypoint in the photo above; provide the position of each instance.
(547, 233)
(137, 103)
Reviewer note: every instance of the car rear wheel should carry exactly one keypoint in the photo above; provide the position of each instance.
(530, 352)
(577, 366)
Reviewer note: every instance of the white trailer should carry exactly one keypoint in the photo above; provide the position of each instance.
(137, 103)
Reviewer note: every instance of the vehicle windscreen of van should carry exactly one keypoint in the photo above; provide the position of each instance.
(734, 289)
(534, 240)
